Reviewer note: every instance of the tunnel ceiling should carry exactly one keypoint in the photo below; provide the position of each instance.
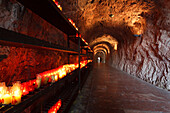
(99, 50)
(103, 46)
(109, 21)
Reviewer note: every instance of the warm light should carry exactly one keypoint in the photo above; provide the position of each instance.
(77, 35)
(105, 38)
(59, 6)
(56, 78)
(3, 88)
(13, 95)
(38, 80)
(55, 107)
(115, 46)
(102, 45)
(16, 93)
(7, 99)
(24, 88)
(71, 21)
(45, 79)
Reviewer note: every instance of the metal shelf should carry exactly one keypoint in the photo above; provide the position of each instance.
(47, 10)
(77, 54)
(76, 40)
(11, 38)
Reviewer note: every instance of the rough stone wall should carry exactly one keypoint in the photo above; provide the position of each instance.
(146, 57)
(149, 56)
(23, 63)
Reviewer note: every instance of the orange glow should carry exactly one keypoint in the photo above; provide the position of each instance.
(105, 38)
(13, 95)
(55, 107)
(16, 93)
(115, 46)
(7, 98)
(102, 45)
(59, 6)
(71, 21)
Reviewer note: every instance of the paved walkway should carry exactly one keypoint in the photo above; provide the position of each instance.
(108, 90)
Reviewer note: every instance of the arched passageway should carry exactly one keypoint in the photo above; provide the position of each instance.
(100, 57)
(134, 34)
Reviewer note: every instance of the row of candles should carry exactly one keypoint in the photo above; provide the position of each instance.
(55, 107)
(79, 35)
(71, 21)
(59, 6)
(85, 42)
(12, 95)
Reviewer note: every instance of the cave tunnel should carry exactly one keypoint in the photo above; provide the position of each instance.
(130, 42)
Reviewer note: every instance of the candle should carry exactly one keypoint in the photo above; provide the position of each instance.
(6, 99)
(56, 77)
(38, 81)
(16, 99)
(62, 73)
(55, 108)
(24, 88)
(45, 80)
(31, 85)
(52, 78)
(3, 88)
(16, 92)
(1, 99)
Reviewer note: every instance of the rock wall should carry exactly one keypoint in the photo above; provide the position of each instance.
(146, 56)
(149, 56)
(22, 63)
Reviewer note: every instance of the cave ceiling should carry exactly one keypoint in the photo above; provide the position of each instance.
(113, 21)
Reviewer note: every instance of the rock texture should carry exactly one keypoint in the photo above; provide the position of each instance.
(141, 28)
(149, 57)
(22, 63)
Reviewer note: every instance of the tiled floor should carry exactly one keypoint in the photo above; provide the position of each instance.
(108, 90)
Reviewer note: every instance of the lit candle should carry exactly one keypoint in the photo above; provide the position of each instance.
(3, 88)
(1, 99)
(24, 88)
(56, 77)
(62, 73)
(6, 99)
(52, 78)
(16, 99)
(38, 81)
(45, 80)
(16, 92)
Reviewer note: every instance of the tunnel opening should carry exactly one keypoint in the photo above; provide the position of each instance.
(105, 44)
(100, 57)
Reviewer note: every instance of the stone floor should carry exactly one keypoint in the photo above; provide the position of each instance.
(108, 90)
